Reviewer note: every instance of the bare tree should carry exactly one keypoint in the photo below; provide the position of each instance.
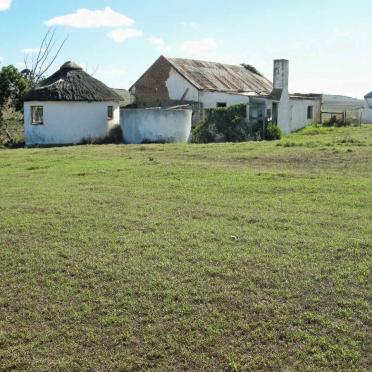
(41, 62)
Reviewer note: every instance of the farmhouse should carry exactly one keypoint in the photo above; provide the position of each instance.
(68, 107)
(203, 85)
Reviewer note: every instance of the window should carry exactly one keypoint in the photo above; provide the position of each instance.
(37, 115)
(310, 112)
(275, 113)
(268, 113)
(110, 112)
(221, 104)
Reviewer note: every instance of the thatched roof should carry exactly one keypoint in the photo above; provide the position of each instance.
(72, 83)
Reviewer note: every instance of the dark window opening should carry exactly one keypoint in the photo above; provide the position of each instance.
(221, 104)
(275, 113)
(37, 115)
(268, 113)
(110, 112)
(310, 112)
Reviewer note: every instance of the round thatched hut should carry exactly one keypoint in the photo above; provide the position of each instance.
(69, 107)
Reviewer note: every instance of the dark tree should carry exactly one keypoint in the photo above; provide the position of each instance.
(251, 69)
(12, 87)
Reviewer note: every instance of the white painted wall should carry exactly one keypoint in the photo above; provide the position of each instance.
(284, 113)
(69, 122)
(180, 89)
(299, 118)
(210, 99)
(155, 125)
(367, 111)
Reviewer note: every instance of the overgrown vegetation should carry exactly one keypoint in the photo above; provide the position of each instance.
(248, 256)
(222, 125)
(230, 125)
(336, 122)
(12, 86)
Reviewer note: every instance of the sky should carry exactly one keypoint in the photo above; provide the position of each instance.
(328, 42)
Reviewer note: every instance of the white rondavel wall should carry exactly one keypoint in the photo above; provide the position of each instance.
(155, 125)
(69, 122)
(367, 111)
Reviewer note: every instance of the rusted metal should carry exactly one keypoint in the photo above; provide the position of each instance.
(211, 76)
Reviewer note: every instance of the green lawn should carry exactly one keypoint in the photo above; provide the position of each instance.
(188, 257)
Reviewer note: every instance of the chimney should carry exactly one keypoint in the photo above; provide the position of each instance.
(281, 74)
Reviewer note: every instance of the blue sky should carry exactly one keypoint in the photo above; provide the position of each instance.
(328, 42)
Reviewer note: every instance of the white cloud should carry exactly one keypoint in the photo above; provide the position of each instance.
(20, 65)
(159, 44)
(120, 35)
(31, 50)
(191, 25)
(199, 47)
(5, 4)
(85, 18)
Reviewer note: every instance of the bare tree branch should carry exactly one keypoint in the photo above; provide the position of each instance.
(42, 61)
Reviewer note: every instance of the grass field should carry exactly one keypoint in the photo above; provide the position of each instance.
(188, 257)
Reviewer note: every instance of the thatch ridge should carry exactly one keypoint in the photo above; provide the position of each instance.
(71, 83)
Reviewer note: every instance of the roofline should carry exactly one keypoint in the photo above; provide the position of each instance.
(173, 66)
(211, 90)
(71, 100)
(153, 64)
(198, 87)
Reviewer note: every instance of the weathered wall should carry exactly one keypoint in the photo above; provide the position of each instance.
(155, 125)
(179, 89)
(284, 113)
(162, 86)
(210, 99)
(69, 122)
(299, 108)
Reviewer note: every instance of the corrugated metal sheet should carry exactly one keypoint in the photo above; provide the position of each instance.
(211, 76)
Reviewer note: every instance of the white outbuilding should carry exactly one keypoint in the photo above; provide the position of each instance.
(69, 107)
(367, 110)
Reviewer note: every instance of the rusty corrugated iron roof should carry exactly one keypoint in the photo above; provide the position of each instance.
(213, 76)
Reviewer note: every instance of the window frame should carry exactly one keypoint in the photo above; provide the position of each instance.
(221, 104)
(310, 112)
(110, 115)
(32, 111)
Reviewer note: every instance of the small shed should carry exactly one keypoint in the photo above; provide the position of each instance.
(69, 107)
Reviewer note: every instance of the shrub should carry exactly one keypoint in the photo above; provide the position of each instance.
(222, 124)
(268, 132)
(205, 133)
(272, 132)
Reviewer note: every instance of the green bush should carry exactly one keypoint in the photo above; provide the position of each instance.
(272, 132)
(205, 133)
(268, 132)
(222, 125)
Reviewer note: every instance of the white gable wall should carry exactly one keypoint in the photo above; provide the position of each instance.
(180, 89)
(69, 122)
